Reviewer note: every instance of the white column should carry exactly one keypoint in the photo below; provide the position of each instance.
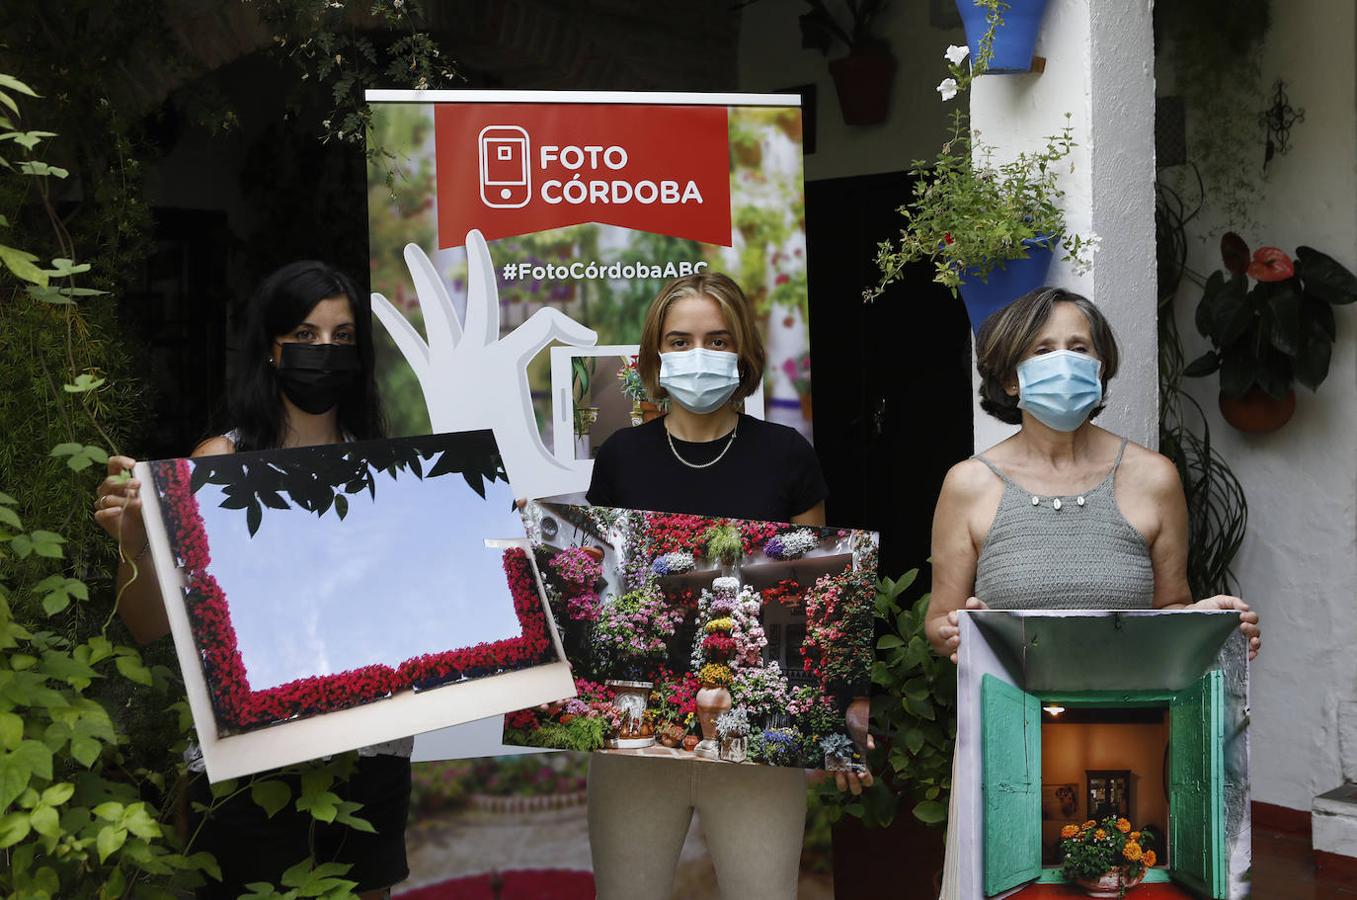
(1100, 70)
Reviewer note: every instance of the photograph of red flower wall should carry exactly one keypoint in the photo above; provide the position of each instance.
(312, 586)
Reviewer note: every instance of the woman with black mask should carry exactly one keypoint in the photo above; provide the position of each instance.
(306, 377)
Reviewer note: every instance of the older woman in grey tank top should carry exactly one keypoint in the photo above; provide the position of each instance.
(1063, 514)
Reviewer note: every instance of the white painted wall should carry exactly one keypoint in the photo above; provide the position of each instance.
(771, 58)
(1298, 565)
(1099, 71)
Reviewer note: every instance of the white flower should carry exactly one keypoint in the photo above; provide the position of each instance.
(947, 87)
(956, 53)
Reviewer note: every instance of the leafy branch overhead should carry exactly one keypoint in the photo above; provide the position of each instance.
(318, 479)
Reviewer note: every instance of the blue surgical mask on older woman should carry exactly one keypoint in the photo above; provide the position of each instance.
(700, 380)
(1060, 388)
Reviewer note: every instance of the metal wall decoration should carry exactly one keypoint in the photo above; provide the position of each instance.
(1278, 119)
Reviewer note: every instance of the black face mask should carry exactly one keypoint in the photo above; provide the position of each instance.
(314, 376)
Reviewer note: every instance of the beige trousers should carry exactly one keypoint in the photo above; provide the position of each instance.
(639, 811)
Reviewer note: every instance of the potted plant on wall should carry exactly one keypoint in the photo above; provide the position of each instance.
(989, 229)
(863, 78)
(1270, 322)
(1015, 35)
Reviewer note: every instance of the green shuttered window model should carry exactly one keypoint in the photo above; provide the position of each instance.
(1011, 781)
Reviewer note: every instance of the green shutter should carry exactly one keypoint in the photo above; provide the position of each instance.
(1010, 738)
(1197, 786)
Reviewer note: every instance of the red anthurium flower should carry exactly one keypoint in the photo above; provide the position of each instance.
(1271, 264)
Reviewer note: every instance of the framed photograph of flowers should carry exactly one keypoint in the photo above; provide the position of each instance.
(666, 622)
(324, 598)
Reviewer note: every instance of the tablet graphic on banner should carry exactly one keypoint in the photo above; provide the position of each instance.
(517, 239)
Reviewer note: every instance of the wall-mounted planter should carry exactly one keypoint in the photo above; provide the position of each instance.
(1014, 41)
(1017, 277)
(863, 82)
(1258, 412)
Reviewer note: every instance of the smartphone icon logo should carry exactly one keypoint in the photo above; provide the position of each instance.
(505, 180)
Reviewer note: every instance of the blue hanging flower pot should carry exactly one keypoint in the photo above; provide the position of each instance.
(1014, 41)
(1004, 285)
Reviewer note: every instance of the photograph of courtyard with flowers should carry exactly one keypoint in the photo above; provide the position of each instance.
(706, 638)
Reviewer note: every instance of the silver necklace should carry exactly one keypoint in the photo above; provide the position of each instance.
(705, 465)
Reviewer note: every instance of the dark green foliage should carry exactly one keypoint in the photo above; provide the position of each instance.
(583, 733)
(1217, 509)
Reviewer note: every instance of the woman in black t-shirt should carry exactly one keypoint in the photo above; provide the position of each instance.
(700, 348)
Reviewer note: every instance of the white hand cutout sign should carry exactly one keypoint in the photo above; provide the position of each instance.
(471, 377)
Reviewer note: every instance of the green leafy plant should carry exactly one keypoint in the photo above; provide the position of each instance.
(1094, 849)
(85, 811)
(583, 733)
(722, 543)
(819, 28)
(970, 215)
(1277, 330)
(913, 716)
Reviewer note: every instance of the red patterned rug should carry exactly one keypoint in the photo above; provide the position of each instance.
(529, 884)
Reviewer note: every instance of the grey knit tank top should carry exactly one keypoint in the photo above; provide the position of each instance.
(1068, 552)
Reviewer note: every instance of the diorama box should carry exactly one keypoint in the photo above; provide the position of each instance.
(324, 598)
(1065, 716)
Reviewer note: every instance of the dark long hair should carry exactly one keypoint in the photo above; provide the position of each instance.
(281, 302)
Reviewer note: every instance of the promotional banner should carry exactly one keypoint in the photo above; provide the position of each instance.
(692, 637)
(517, 239)
(324, 598)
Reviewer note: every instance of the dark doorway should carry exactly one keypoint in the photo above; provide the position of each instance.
(892, 384)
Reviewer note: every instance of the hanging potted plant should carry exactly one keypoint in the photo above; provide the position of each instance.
(1270, 322)
(863, 78)
(1015, 35)
(989, 229)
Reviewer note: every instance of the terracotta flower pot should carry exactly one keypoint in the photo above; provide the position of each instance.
(649, 411)
(863, 83)
(690, 741)
(1257, 412)
(595, 552)
(711, 702)
(1110, 884)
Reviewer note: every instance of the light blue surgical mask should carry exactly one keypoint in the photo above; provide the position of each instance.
(1060, 388)
(700, 380)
